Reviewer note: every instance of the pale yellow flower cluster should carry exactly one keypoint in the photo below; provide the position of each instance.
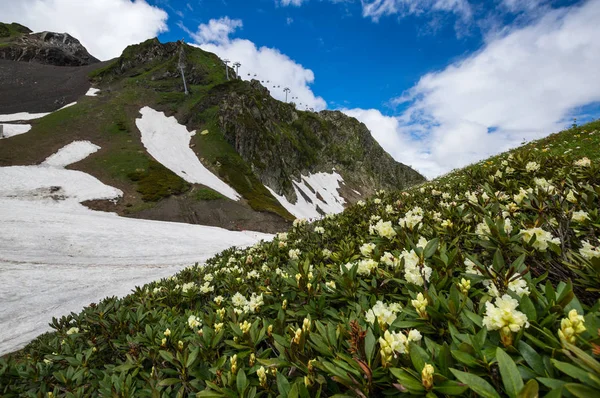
(194, 322)
(588, 251)
(394, 343)
(580, 216)
(414, 271)
(503, 316)
(420, 304)
(412, 218)
(384, 314)
(571, 326)
(542, 238)
(427, 376)
(383, 229)
(367, 249)
(583, 162)
(242, 305)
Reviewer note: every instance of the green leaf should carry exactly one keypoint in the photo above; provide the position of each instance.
(370, 344)
(431, 248)
(192, 357)
(283, 385)
(450, 387)
(241, 382)
(531, 357)
(418, 356)
(167, 356)
(169, 382)
(572, 370)
(407, 380)
(510, 374)
(526, 305)
(530, 390)
(464, 358)
(476, 384)
(209, 394)
(581, 391)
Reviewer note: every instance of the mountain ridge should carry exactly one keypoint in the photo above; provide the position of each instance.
(252, 160)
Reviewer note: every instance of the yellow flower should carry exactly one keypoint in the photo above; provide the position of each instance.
(427, 376)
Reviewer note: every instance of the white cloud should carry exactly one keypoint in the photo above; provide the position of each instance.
(523, 85)
(269, 64)
(375, 9)
(289, 20)
(295, 3)
(217, 31)
(104, 27)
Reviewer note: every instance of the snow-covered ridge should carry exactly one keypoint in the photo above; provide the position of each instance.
(321, 189)
(169, 143)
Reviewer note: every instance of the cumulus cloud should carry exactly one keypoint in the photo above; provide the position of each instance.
(522, 85)
(104, 27)
(375, 9)
(268, 64)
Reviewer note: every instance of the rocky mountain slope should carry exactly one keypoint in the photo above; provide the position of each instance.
(281, 161)
(18, 43)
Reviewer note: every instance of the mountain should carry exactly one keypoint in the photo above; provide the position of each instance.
(18, 43)
(273, 162)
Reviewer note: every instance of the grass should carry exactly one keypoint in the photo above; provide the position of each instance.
(156, 182)
(206, 194)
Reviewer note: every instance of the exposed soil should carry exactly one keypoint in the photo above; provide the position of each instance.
(37, 88)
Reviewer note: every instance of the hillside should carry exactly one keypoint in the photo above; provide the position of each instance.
(484, 281)
(282, 162)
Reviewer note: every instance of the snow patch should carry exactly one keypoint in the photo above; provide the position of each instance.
(56, 256)
(72, 153)
(92, 92)
(22, 116)
(321, 189)
(169, 143)
(10, 130)
(13, 117)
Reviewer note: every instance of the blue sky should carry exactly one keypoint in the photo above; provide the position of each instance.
(378, 60)
(439, 83)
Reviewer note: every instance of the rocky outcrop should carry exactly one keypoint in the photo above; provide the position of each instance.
(281, 143)
(59, 49)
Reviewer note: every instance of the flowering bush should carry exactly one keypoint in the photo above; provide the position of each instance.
(484, 282)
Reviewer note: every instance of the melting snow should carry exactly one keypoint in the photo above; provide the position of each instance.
(169, 143)
(72, 153)
(10, 130)
(321, 189)
(57, 256)
(92, 92)
(29, 116)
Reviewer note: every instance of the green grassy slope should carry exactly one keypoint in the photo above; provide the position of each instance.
(428, 292)
(9, 31)
(131, 82)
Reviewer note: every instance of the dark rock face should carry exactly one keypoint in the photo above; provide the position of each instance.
(282, 143)
(59, 49)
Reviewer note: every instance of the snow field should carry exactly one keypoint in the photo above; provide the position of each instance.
(57, 256)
